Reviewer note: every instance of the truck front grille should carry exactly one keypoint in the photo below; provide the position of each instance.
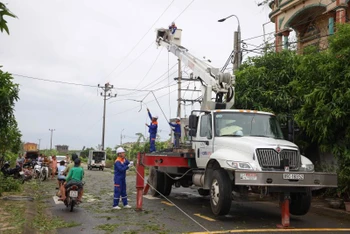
(271, 159)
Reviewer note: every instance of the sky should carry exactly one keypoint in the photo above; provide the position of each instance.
(95, 42)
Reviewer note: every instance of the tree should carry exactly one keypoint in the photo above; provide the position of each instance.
(10, 135)
(4, 11)
(323, 79)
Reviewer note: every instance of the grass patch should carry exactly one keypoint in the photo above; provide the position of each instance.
(107, 227)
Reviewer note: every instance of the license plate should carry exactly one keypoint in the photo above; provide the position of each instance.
(293, 176)
(248, 176)
(73, 193)
(21, 172)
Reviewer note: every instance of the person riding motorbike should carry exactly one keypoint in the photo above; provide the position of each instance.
(75, 176)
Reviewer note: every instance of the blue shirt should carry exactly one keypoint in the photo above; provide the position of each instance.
(177, 127)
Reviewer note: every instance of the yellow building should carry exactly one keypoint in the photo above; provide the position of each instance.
(312, 20)
(30, 146)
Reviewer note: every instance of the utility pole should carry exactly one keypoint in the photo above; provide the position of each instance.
(179, 89)
(106, 94)
(121, 137)
(39, 143)
(51, 130)
(236, 43)
(237, 48)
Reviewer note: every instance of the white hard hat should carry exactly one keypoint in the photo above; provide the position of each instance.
(178, 118)
(173, 23)
(156, 116)
(120, 150)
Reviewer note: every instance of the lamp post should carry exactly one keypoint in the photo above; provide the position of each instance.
(236, 43)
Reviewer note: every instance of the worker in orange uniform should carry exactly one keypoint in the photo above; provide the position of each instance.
(152, 129)
(120, 166)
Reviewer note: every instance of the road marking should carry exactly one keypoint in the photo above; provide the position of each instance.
(278, 230)
(167, 203)
(205, 217)
(150, 197)
(55, 199)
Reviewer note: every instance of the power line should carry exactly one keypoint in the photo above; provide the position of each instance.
(141, 38)
(149, 70)
(54, 81)
(184, 10)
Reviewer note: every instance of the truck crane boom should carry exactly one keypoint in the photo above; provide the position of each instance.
(212, 79)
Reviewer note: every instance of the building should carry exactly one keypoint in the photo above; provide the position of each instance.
(30, 146)
(311, 20)
(62, 148)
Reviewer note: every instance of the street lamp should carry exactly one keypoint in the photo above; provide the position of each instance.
(237, 42)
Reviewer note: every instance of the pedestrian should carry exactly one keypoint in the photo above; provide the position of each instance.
(177, 131)
(172, 28)
(61, 178)
(120, 166)
(20, 160)
(53, 166)
(152, 129)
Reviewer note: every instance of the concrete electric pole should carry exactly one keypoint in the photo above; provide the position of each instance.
(39, 143)
(236, 43)
(179, 89)
(106, 94)
(51, 130)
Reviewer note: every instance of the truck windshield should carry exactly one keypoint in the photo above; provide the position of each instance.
(238, 124)
(98, 156)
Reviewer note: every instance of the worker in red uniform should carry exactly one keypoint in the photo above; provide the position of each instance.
(120, 166)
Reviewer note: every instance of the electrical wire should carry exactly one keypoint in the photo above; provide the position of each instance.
(54, 81)
(149, 70)
(184, 10)
(134, 47)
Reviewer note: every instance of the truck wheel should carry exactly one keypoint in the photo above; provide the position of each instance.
(168, 184)
(155, 179)
(203, 192)
(300, 203)
(160, 183)
(220, 193)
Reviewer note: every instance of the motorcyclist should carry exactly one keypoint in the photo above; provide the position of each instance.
(75, 176)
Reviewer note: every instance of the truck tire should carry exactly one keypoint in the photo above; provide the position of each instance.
(160, 183)
(300, 203)
(220, 193)
(168, 184)
(155, 181)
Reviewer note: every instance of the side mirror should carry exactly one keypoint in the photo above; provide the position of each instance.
(193, 121)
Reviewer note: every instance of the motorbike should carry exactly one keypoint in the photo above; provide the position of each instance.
(41, 171)
(16, 173)
(72, 192)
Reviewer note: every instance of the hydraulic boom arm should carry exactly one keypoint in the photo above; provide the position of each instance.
(211, 78)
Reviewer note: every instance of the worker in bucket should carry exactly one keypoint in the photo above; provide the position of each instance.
(172, 28)
(177, 131)
(152, 129)
(121, 164)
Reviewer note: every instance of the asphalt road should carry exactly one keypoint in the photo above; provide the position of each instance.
(184, 211)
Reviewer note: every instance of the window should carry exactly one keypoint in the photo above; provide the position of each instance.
(205, 130)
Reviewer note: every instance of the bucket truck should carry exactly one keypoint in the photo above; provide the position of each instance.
(231, 152)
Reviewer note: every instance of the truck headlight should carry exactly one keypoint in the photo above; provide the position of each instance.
(307, 167)
(239, 165)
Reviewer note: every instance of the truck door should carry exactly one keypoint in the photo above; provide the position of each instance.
(205, 133)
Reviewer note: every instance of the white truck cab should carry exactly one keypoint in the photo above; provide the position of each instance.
(97, 159)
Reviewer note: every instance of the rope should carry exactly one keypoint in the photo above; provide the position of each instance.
(174, 204)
